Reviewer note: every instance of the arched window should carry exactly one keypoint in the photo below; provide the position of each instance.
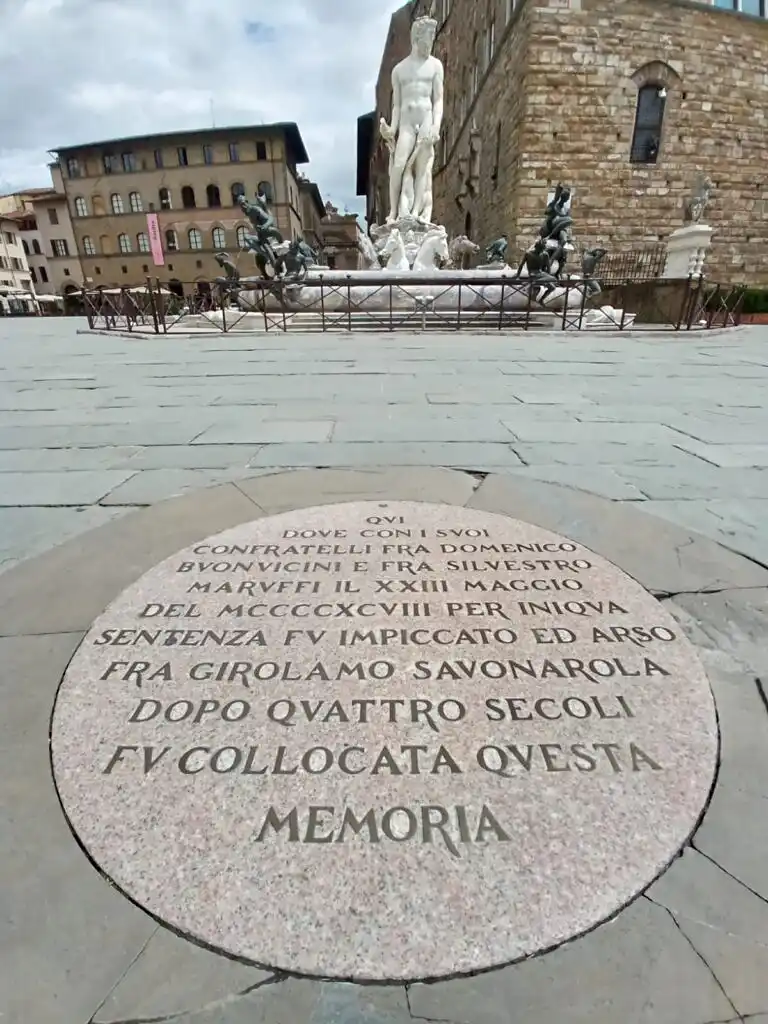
(171, 240)
(142, 241)
(105, 244)
(265, 189)
(81, 210)
(136, 204)
(237, 190)
(88, 247)
(195, 238)
(649, 121)
(124, 243)
(24, 246)
(188, 197)
(36, 247)
(213, 195)
(97, 205)
(219, 236)
(165, 199)
(241, 233)
(117, 203)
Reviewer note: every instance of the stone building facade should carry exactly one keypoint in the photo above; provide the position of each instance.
(622, 99)
(191, 181)
(312, 213)
(57, 238)
(341, 232)
(14, 270)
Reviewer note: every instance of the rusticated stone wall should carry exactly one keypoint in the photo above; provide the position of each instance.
(558, 101)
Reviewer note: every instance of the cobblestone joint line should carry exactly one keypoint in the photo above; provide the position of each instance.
(701, 957)
(735, 878)
(761, 691)
(274, 979)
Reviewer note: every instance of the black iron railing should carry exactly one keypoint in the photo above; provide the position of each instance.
(645, 264)
(444, 301)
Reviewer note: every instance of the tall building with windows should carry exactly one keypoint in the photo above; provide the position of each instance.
(45, 232)
(14, 270)
(191, 182)
(625, 100)
(62, 273)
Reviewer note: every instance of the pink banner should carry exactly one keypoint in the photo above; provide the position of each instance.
(155, 241)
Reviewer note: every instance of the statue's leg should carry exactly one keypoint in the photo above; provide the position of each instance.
(422, 178)
(406, 195)
(406, 140)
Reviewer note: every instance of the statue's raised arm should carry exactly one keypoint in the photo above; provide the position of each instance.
(437, 101)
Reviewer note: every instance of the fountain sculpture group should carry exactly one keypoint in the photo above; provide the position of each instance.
(409, 248)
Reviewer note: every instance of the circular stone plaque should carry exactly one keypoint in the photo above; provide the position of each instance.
(384, 740)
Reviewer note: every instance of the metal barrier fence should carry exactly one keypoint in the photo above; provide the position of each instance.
(446, 302)
(633, 265)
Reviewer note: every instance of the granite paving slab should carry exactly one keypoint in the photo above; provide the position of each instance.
(148, 486)
(637, 413)
(696, 480)
(718, 432)
(88, 416)
(268, 431)
(731, 627)
(39, 597)
(728, 455)
(62, 927)
(290, 1001)
(740, 965)
(695, 889)
(600, 480)
(732, 813)
(361, 454)
(741, 525)
(279, 492)
(25, 531)
(202, 382)
(60, 488)
(696, 563)
(198, 456)
(171, 976)
(48, 460)
(143, 433)
(638, 967)
(587, 432)
(434, 427)
(616, 454)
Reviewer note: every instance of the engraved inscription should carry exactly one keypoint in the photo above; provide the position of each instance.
(395, 573)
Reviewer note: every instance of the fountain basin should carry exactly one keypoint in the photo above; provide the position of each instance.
(372, 290)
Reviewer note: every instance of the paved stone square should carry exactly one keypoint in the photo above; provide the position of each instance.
(93, 426)
(650, 452)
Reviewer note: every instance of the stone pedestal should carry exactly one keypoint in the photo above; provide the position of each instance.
(498, 268)
(687, 250)
(412, 231)
(424, 245)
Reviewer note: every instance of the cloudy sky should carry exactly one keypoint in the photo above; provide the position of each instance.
(83, 70)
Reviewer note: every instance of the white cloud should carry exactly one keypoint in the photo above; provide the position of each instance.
(84, 70)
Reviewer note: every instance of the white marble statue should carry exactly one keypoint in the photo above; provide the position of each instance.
(417, 116)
